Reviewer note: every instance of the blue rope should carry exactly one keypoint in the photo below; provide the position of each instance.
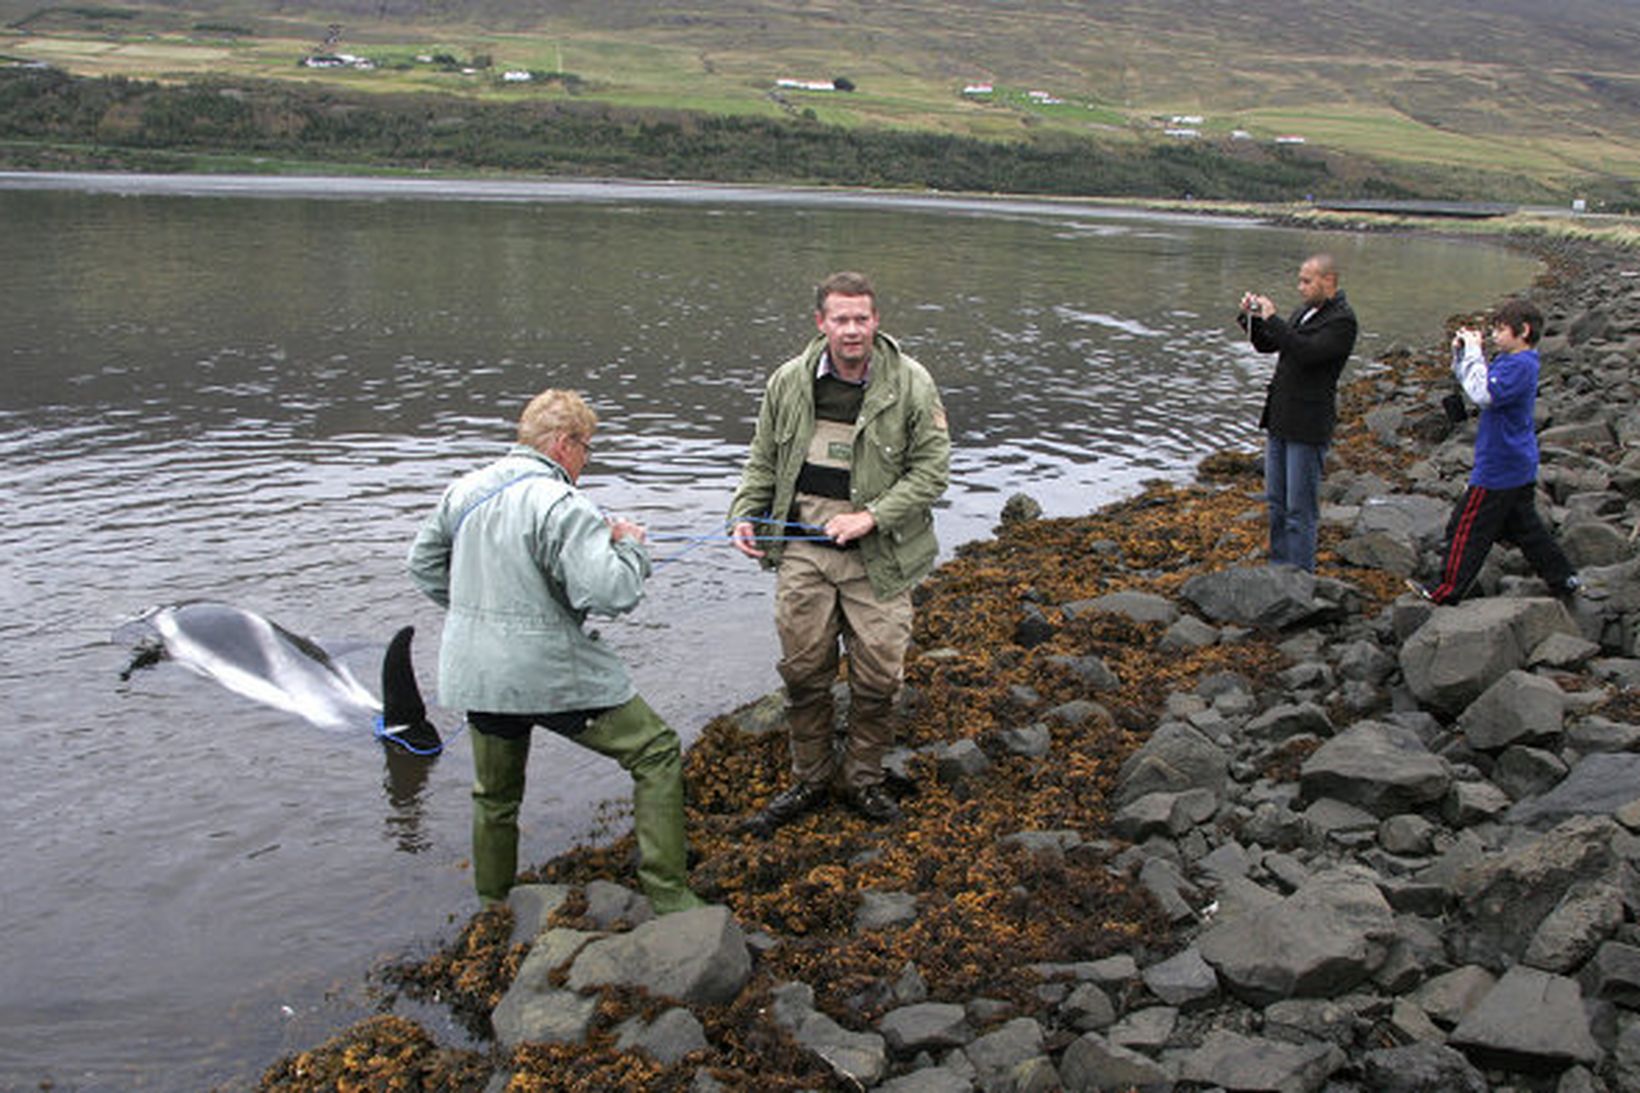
(725, 537)
(814, 534)
(381, 733)
(507, 485)
(782, 523)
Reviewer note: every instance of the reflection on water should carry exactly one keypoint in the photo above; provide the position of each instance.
(405, 781)
(258, 400)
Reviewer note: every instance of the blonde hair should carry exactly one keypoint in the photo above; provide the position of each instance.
(552, 414)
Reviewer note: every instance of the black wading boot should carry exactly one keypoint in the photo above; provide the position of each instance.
(874, 803)
(799, 800)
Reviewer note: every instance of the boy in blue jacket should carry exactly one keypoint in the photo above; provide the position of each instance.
(1499, 503)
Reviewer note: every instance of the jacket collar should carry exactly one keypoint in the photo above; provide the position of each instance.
(524, 451)
(885, 356)
(1333, 301)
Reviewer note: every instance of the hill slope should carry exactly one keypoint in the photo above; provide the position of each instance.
(1420, 84)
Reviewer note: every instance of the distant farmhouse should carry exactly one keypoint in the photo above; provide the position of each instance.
(978, 89)
(338, 60)
(806, 85)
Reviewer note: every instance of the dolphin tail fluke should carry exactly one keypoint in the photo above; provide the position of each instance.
(404, 714)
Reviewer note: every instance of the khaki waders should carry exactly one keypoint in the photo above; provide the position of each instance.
(822, 595)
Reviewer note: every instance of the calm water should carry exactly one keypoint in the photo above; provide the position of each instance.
(253, 391)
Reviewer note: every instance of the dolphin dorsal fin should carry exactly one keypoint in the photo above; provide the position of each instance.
(402, 704)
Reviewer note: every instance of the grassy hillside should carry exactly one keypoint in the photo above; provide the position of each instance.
(1413, 85)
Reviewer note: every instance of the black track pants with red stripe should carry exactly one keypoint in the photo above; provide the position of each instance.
(1485, 516)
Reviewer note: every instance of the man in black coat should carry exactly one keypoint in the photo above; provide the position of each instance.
(1301, 403)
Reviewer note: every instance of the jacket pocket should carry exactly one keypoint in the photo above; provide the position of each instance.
(915, 547)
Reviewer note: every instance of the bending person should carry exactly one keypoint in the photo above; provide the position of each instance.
(520, 557)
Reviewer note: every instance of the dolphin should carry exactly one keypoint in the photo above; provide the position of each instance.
(261, 660)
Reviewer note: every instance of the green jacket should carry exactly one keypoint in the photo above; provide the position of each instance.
(520, 557)
(900, 465)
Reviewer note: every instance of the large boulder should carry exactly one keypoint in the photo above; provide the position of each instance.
(1447, 997)
(1383, 768)
(1530, 1021)
(1504, 898)
(697, 956)
(930, 1079)
(995, 1055)
(1614, 975)
(859, 1059)
(1410, 517)
(1574, 931)
(535, 1010)
(1327, 937)
(1289, 719)
(1168, 814)
(1140, 607)
(1595, 543)
(1229, 1060)
(1092, 1064)
(668, 1038)
(1461, 651)
(1268, 597)
(1520, 708)
(1421, 1068)
(1183, 979)
(1598, 785)
(532, 905)
(1381, 550)
(1176, 759)
(925, 1026)
(1615, 587)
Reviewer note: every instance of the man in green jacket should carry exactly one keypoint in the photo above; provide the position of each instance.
(519, 557)
(851, 452)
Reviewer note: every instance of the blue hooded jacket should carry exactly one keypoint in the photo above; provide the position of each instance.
(1506, 448)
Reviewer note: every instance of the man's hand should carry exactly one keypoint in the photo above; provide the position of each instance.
(744, 536)
(625, 529)
(846, 527)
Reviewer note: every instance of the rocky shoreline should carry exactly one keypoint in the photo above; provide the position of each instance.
(1174, 820)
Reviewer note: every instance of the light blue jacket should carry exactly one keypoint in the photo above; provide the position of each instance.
(520, 557)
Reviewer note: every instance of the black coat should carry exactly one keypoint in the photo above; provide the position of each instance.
(1301, 403)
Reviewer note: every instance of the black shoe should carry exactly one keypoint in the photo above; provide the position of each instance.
(875, 804)
(786, 806)
(1567, 592)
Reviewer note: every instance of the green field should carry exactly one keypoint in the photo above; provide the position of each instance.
(1556, 102)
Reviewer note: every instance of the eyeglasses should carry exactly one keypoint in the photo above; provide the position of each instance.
(586, 448)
